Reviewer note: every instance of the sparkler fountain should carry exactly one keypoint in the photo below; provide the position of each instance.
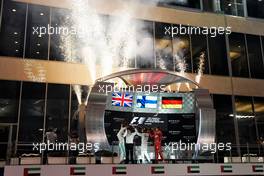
(101, 46)
(200, 67)
(103, 43)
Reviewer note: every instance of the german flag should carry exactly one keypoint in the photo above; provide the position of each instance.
(172, 103)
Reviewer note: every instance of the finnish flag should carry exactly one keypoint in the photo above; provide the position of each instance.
(146, 101)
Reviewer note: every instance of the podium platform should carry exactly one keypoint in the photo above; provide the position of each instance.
(136, 169)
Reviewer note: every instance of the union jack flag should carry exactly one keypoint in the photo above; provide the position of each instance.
(122, 99)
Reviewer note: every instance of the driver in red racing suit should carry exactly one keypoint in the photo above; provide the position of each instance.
(157, 135)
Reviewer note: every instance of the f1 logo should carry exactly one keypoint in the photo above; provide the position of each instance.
(137, 120)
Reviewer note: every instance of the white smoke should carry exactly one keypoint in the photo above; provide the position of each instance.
(78, 92)
(200, 67)
(161, 62)
(103, 41)
(180, 64)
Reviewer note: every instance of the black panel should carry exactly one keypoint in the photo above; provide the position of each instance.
(255, 56)
(175, 127)
(218, 55)
(58, 110)
(32, 113)
(9, 99)
(37, 42)
(255, 8)
(238, 55)
(12, 29)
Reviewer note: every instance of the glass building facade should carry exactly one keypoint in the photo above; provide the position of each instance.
(244, 8)
(28, 109)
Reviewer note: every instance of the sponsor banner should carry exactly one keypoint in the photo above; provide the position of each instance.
(175, 127)
(157, 170)
(257, 168)
(193, 169)
(34, 171)
(119, 170)
(226, 168)
(77, 171)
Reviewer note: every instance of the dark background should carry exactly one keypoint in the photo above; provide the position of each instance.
(175, 127)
